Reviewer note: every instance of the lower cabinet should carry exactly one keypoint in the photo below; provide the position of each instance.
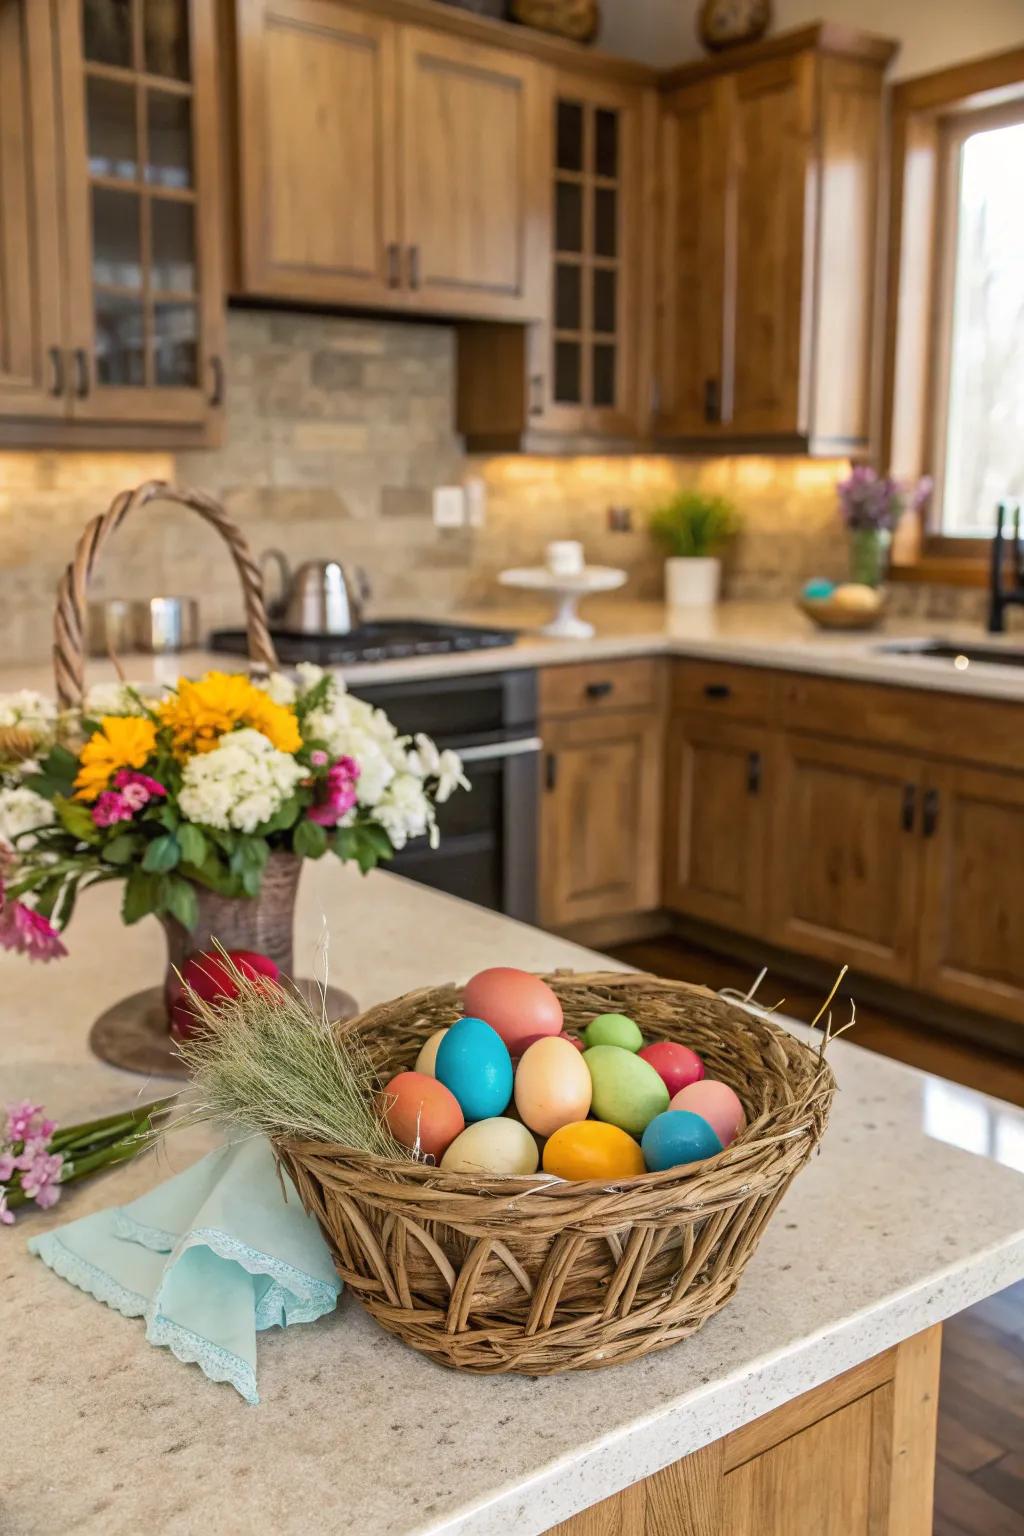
(717, 793)
(600, 816)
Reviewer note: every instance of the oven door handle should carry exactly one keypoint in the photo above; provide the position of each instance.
(495, 750)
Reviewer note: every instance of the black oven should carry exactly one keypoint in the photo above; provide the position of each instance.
(488, 848)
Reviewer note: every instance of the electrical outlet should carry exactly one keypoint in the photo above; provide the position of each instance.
(475, 490)
(449, 506)
(620, 519)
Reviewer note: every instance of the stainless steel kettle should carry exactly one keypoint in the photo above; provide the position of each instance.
(323, 597)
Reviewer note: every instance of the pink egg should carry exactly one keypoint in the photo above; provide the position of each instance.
(676, 1065)
(717, 1104)
(517, 1004)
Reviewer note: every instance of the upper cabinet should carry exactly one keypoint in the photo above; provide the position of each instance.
(771, 167)
(387, 166)
(112, 302)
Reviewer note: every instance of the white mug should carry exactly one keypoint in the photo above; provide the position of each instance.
(564, 557)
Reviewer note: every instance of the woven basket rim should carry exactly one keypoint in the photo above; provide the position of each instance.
(750, 1145)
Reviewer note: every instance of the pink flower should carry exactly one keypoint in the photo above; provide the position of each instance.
(336, 793)
(39, 1180)
(27, 932)
(111, 807)
(8, 1163)
(318, 757)
(139, 783)
(26, 1122)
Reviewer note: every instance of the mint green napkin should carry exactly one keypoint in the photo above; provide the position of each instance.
(209, 1259)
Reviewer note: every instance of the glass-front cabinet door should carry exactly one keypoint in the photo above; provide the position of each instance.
(141, 151)
(589, 379)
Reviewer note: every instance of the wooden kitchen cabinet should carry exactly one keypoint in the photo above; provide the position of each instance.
(718, 789)
(771, 178)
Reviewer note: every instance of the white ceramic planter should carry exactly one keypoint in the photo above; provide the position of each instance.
(692, 581)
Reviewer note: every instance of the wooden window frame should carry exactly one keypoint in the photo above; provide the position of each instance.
(931, 117)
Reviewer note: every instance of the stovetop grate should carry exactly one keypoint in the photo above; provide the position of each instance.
(384, 640)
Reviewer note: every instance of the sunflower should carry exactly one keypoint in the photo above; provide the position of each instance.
(120, 742)
(199, 714)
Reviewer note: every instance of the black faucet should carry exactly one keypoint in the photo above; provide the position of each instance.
(999, 596)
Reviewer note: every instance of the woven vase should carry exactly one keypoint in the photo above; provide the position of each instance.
(576, 19)
(264, 923)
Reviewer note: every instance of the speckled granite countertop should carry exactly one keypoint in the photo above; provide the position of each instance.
(754, 634)
(889, 1230)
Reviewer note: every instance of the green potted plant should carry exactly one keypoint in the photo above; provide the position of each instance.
(693, 529)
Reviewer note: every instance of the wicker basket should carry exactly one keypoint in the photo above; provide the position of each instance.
(578, 19)
(522, 1274)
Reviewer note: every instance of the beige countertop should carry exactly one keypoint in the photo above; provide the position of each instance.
(752, 634)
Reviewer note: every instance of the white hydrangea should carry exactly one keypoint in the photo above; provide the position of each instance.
(112, 698)
(405, 811)
(30, 710)
(280, 688)
(446, 767)
(240, 785)
(22, 810)
(349, 727)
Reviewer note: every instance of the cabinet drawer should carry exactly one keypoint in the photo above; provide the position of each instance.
(597, 685)
(742, 693)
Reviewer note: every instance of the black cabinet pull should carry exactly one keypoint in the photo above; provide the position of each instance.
(717, 691)
(754, 773)
(217, 392)
(599, 690)
(82, 380)
(536, 407)
(930, 816)
(550, 771)
(712, 401)
(57, 363)
(414, 266)
(909, 808)
(394, 264)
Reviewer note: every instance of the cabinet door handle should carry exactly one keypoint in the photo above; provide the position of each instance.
(712, 401)
(536, 406)
(717, 691)
(550, 771)
(82, 381)
(908, 812)
(57, 363)
(394, 264)
(217, 392)
(754, 773)
(600, 690)
(414, 266)
(930, 815)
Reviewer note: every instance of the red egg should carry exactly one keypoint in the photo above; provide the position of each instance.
(517, 1004)
(676, 1065)
(422, 1113)
(524, 1045)
(209, 975)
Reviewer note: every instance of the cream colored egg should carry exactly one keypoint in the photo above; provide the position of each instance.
(428, 1053)
(853, 595)
(496, 1146)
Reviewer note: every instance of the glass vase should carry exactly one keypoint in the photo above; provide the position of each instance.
(869, 555)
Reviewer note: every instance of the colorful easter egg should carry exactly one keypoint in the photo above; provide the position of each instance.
(627, 1091)
(422, 1113)
(591, 1149)
(553, 1086)
(517, 1004)
(495, 1146)
(427, 1057)
(677, 1137)
(717, 1104)
(473, 1062)
(613, 1029)
(524, 1045)
(676, 1065)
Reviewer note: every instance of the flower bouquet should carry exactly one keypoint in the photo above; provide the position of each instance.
(871, 505)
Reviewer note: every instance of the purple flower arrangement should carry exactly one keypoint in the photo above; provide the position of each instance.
(37, 1158)
(872, 502)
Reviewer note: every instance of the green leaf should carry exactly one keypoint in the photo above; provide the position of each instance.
(143, 894)
(77, 820)
(57, 775)
(252, 853)
(285, 817)
(66, 905)
(192, 843)
(213, 873)
(46, 896)
(366, 845)
(162, 854)
(309, 840)
(121, 849)
(378, 841)
(180, 901)
(168, 817)
(252, 880)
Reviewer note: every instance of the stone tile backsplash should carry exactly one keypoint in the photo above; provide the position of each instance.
(337, 432)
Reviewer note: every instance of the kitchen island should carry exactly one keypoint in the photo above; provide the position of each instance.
(889, 1231)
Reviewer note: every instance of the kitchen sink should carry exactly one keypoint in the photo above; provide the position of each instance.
(960, 655)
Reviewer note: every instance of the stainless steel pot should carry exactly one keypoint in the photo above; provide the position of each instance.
(165, 624)
(109, 628)
(323, 597)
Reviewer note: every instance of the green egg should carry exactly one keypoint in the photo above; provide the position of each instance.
(613, 1029)
(627, 1090)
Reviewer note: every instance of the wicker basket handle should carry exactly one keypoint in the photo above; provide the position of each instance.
(69, 618)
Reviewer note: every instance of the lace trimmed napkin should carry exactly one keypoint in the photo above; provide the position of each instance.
(209, 1259)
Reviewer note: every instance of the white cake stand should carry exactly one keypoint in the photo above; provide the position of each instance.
(567, 591)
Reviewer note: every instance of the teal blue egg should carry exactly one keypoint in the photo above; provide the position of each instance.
(473, 1063)
(678, 1136)
(818, 589)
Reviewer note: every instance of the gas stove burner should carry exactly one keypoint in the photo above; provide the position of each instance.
(385, 640)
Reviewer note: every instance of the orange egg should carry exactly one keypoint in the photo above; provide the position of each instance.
(553, 1085)
(515, 1003)
(593, 1150)
(422, 1114)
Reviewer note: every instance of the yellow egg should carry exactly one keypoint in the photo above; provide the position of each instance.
(495, 1146)
(592, 1150)
(428, 1053)
(553, 1085)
